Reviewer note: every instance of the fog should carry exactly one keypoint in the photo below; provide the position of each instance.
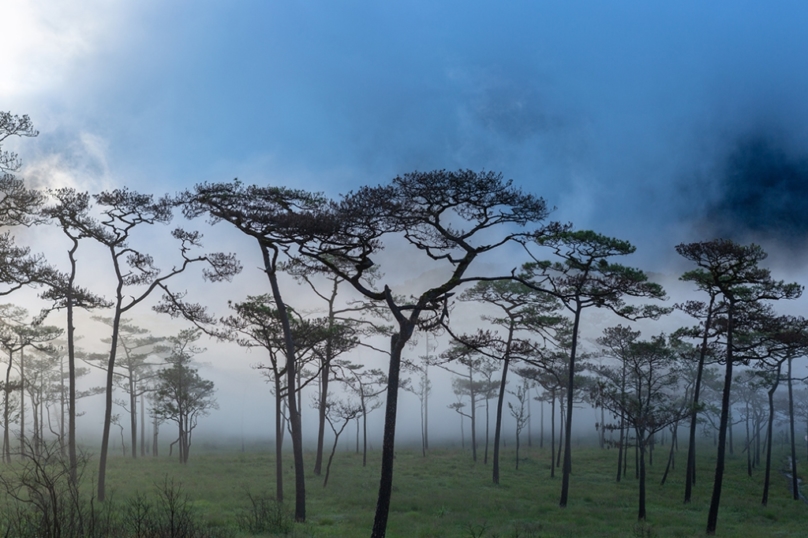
(655, 124)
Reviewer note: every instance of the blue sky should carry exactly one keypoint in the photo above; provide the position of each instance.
(631, 117)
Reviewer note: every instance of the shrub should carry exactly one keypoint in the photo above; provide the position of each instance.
(265, 515)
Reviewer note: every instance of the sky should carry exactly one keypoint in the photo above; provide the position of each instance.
(659, 123)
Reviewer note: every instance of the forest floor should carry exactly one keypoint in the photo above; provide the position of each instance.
(446, 494)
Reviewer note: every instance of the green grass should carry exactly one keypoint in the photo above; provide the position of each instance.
(446, 494)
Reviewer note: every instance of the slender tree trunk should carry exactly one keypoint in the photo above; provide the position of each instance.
(560, 433)
(35, 435)
(133, 412)
(671, 458)
(620, 450)
(748, 444)
(155, 433)
(529, 431)
(116, 322)
(142, 422)
(325, 374)
(22, 402)
(552, 436)
(423, 432)
(62, 408)
(462, 432)
(397, 343)
(767, 475)
(321, 405)
(6, 411)
(498, 424)
(541, 425)
(364, 433)
(690, 472)
(278, 441)
(641, 443)
(795, 488)
(565, 480)
(426, 403)
(712, 517)
(473, 417)
(331, 457)
(291, 378)
(487, 426)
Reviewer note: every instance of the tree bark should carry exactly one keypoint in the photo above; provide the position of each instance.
(397, 343)
(498, 424)
(690, 472)
(278, 442)
(795, 488)
(712, 517)
(641, 511)
(565, 477)
(291, 381)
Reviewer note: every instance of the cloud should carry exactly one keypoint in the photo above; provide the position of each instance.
(81, 164)
(43, 41)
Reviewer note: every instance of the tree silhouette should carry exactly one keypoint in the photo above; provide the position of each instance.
(275, 217)
(645, 391)
(181, 395)
(733, 271)
(122, 211)
(582, 276)
(452, 218)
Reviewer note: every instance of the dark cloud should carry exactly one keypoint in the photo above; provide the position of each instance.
(762, 193)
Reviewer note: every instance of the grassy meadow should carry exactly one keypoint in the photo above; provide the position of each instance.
(447, 494)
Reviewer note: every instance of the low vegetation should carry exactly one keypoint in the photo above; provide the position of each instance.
(225, 493)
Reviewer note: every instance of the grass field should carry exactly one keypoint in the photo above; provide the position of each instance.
(446, 494)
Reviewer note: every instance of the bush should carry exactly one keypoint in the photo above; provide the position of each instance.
(43, 502)
(265, 515)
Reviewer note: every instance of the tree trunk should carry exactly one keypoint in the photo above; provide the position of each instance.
(473, 416)
(671, 462)
(116, 322)
(155, 433)
(487, 427)
(712, 517)
(565, 477)
(560, 433)
(325, 374)
(291, 378)
(278, 442)
(426, 403)
(142, 422)
(6, 414)
(767, 475)
(620, 449)
(690, 472)
(498, 424)
(748, 444)
(552, 435)
(22, 402)
(795, 488)
(62, 408)
(133, 413)
(641, 443)
(397, 343)
(541, 424)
